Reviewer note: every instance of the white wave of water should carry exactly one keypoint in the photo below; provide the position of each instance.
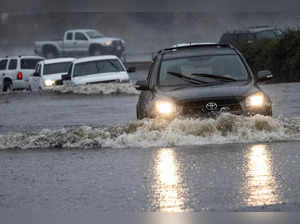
(99, 89)
(161, 133)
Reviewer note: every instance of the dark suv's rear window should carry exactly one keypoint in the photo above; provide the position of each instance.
(29, 63)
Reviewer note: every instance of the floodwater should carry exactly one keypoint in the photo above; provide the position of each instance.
(71, 152)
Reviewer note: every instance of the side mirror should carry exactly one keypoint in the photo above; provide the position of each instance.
(131, 69)
(263, 76)
(36, 74)
(66, 77)
(142, 85)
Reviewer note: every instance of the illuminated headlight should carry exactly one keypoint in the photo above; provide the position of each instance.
(108, 43)
(165, 107)
(255, 100)
(49, 83)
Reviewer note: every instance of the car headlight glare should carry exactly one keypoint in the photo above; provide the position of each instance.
(108, 43)
(49, 83)
(255, 100)
(165, 107)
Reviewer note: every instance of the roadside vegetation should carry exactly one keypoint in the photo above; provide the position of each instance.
(281, 56)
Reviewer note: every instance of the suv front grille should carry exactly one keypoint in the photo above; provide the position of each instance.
(228, 105)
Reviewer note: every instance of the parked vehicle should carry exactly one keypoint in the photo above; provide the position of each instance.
(15, 71)
(201, 80)
(82, 42)
(249, 35)
(97, 69)
(47, 72)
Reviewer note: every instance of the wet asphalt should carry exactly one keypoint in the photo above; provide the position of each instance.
(256, 177)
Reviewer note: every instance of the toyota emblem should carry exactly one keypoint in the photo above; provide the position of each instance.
(211, 106)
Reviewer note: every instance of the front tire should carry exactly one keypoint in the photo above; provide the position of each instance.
(140, 110)
(138, 113)
(50, 52)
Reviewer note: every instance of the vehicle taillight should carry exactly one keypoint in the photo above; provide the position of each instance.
(20, 76)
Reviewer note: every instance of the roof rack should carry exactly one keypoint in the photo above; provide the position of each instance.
(193, 45)
(261, 26)
(251, 29)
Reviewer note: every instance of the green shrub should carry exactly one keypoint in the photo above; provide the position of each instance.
(281, 56)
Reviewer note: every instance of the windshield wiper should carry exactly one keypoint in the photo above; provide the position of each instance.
(188, 78)
(224, 78)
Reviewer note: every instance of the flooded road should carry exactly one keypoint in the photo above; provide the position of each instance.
(72, 151)
(236, 177)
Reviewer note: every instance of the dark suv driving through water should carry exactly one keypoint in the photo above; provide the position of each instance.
(250, 35)
(201, 80)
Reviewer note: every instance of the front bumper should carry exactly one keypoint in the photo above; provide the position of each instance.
(20, 84)
(203, 113)
(115, 49)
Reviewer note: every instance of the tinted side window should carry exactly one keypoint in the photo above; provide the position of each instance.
(266, 35)
(3, 64)
(29, 63)
(69, 36)
(80, 36)
(13, 64)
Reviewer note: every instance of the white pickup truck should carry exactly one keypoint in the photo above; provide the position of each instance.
(84, 42)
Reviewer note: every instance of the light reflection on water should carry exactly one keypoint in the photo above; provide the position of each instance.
(261, 184)
(168, 186)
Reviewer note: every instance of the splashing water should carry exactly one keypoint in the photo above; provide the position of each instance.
(226, 128)
(99, 89)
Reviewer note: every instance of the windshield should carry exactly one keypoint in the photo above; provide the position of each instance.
(56, 68)
(94, 34)
(29, 63)
(97, 67)
(202, 68)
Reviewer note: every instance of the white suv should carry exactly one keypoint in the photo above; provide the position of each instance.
(16, 71)
(98, 69)
(47, 72)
